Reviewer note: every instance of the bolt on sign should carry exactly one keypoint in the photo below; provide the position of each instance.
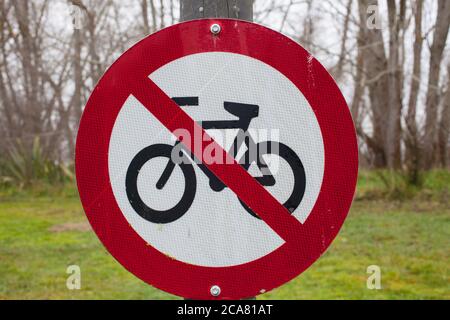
(216, 159)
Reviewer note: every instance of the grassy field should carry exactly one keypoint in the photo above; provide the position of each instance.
(405, 232)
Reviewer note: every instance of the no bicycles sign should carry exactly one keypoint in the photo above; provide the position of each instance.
(216, 159)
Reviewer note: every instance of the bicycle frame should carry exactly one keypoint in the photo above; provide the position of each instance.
(245, 114)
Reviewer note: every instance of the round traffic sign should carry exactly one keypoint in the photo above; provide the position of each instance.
(216, 164)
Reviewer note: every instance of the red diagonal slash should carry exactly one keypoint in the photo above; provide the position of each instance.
(250, 191)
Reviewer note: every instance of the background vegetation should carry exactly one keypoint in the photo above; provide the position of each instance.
(390, 58)
(406, 232)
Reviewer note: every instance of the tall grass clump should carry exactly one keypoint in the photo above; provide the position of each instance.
(23, 167)
(396, 184)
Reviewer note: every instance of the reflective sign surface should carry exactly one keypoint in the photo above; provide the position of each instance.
(216, 160)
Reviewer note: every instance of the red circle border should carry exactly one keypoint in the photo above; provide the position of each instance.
(330, 209)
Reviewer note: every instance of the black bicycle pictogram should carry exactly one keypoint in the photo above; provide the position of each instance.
(245, 113)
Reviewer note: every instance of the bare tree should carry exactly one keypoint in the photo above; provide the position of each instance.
(376, 67)
(144, 11)
(432, 100)
(444, 125)
(411, 134)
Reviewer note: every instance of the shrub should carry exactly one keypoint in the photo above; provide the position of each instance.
(23, 167)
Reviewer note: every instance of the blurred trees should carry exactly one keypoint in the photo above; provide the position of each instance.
(399, 137)
(395, 78)
(399, 79)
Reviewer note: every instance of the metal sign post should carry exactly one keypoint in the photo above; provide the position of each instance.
(199, 9)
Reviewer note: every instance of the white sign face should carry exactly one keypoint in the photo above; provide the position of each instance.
(216, 230)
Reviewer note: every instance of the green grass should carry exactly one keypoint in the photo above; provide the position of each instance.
(408, 239)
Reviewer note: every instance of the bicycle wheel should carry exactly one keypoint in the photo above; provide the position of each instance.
(149, 214)
(296, 166)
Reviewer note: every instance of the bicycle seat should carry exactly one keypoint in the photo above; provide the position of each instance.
(242, 110)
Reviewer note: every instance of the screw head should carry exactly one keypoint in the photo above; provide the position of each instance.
(215, 291)
(215, 29)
